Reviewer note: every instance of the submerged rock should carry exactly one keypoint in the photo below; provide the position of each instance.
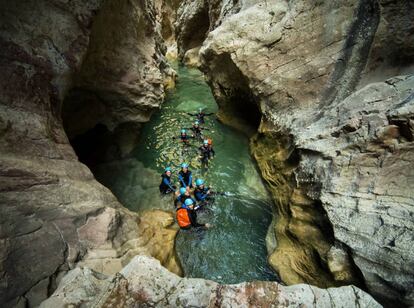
(144, 282)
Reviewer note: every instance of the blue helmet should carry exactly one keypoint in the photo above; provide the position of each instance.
(200, 109)
(183, 190)
(196, 122)
(188, 202)
(199, 182)
(205, 141)
(183, 131)
(167, 169)
(184, 165)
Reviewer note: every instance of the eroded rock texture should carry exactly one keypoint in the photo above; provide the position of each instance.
(335, 159)
(121, 80)
(52, 211)
(145, 283)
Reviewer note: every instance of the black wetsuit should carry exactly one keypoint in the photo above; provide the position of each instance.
(200, 116)
(201, 194)
(186, 178)
(206, 153)
(185, 139)
(166, 185)
(197, 130)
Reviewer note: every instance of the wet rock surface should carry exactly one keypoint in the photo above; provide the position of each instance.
(333, 157)
(145, 282)
(53, 213)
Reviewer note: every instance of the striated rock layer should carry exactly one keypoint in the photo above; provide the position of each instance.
(144, 282)
(334, 128)
(52, 211)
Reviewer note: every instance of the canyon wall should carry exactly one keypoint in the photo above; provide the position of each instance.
(327, 87)
(83, 61)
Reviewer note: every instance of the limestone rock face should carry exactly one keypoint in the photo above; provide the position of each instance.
(122, 77)
(52, 211)
(191, 25)
(143, 282)
(335, 158)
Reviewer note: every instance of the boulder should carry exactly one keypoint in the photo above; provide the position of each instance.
(144, 282)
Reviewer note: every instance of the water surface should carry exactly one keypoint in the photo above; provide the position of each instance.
(233, 250)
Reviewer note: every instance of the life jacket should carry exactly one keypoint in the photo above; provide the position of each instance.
(183, 218)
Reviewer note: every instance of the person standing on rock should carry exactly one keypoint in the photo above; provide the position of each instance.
(200, 115)
(186, 216)
(166, 186)
(185, 176)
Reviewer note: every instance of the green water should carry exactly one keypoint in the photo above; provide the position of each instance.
(233, 250)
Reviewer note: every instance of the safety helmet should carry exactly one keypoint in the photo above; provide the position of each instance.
(200, 109)
(184, 165)
(197, 123)
(188, 202)
(205, 141)
(199, 182)
(167, 169)
(183, 190)
(183, 131)
(210, 141)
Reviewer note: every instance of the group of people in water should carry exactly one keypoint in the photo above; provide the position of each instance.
(190, 197)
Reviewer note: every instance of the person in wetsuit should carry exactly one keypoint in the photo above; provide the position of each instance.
(185, 176)
(166, 186)
(183, 195)
(184, 137)
(198, 130)
(206, 152)
(186, 216)
(201, 192)
(200, 115)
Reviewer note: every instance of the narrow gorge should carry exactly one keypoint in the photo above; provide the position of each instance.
(315, 109)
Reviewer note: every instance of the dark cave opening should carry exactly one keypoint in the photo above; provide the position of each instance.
(84, 116)
(238, 105)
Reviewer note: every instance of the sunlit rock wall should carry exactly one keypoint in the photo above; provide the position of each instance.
(335, 159)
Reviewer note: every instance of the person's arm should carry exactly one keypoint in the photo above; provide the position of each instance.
(181, 179)
(190, 180)
(191, 114)
(201, 196)
(209, 114)
(168, 183)
(212, 151)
